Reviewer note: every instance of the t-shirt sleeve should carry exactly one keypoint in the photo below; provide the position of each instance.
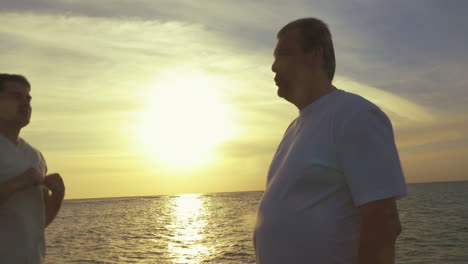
(369, 157)
(43, 162)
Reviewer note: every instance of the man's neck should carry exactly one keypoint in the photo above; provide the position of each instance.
(311, 94)
(11, 134)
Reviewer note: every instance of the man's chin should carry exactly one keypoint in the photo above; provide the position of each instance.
(23, 123)
(282, 93)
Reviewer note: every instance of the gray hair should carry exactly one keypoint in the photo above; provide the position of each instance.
(315, 34)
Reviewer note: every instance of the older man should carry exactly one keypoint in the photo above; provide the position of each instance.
(334, 180)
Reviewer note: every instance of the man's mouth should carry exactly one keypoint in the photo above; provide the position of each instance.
(25, 111)
(277, 81)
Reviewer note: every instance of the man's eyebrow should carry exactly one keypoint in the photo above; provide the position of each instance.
(21, 94)
(281, 50)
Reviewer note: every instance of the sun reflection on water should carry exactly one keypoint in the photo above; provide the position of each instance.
(188, 229)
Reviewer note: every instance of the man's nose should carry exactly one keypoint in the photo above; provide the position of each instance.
(274, 66)
(26, 101)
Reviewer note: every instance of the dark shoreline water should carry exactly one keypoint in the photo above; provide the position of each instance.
(156, 196)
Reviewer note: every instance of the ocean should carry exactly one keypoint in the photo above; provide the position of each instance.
(217, 228)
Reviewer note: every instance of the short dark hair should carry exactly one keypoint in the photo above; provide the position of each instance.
(5, 77)
(315, 34)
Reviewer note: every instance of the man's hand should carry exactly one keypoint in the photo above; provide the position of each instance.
(17, 183)
(31, 177)
(53, 201)
(55, 184)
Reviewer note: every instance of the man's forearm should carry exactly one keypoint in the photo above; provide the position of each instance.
(376, 252)
(380, 227)
(377, 240)
(53, 203)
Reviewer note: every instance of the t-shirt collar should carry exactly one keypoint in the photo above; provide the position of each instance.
(317, 103)
(5, 139)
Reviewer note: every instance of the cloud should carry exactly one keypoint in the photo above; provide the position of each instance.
(402, 109)
(451, 132)
(412, 49)
(109, 57)
(434, 151)
(447, 165)
(93, 76)
(93, 66)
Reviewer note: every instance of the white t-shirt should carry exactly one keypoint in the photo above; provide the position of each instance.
(22, 216)
(337, 155)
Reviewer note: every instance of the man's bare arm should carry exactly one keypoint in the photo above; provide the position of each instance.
(379, 230)
(53, 196)
(14, 184)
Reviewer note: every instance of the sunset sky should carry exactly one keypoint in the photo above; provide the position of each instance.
(150, 97)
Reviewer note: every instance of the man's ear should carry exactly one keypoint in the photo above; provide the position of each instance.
(314, 57)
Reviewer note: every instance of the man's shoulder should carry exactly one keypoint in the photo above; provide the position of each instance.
(356, 113)
(350, 104)
(27, 146)
(352, 100)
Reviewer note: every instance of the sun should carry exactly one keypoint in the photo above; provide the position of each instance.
(185, 118)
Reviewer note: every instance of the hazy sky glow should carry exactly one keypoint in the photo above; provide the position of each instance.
(175, 96)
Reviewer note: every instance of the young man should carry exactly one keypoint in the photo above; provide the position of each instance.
(29, 200)
(333, 182)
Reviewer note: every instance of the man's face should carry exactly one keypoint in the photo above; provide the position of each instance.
(15, 104)
(289, 65)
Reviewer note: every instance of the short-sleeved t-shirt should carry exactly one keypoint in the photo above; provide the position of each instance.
(337, 155)
(22, 216)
